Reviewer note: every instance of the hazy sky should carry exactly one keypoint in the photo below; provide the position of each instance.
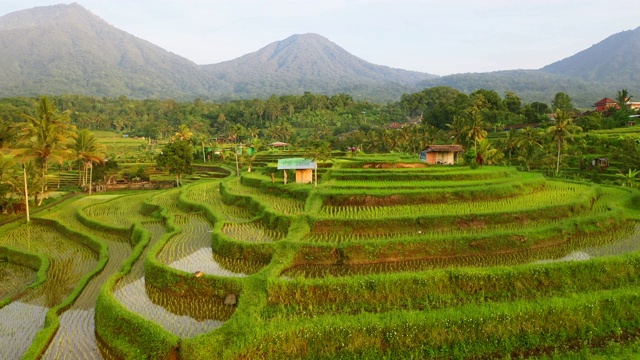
(436, 36)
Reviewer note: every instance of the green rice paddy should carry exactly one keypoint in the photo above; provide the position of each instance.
(430, 262)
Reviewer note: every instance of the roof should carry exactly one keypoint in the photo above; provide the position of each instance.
(605, 101)
(444, 148)
(296, 163)
(279, 144)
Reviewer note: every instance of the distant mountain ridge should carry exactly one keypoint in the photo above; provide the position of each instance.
(614, 59)
(67, 49)
(599, 71)
(307, 62)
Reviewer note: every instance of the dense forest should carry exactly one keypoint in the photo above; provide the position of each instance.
(553, 137)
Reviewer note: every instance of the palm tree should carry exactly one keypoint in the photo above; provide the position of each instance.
(510, 142)
(429, 134)
(490, 155)
(563, 129)
(7, 169)
(183, 133)
(88, 150)
(458, 129)
(622, 98)
(476, 127)
(280, 130)
(44, 138)
(528, 142)
(21, 182)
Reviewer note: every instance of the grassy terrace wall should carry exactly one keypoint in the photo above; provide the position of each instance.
(444, 313)
(232, 249)
(475, 331)
(124, 332)
(448, 287)
(544, 242)
(434, 262)
(52, 320)
(416, 174)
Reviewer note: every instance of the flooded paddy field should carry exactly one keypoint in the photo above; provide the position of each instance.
(270, 263)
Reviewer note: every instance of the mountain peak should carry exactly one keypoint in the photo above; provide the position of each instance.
(67, 49)
(614, 59)
(308, 62)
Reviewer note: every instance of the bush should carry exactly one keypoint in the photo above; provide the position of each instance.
(142, 174)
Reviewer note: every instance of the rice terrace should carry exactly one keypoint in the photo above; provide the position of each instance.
(297, 201)
(380, 260)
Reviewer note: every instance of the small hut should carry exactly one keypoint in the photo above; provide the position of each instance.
(303, 167)
(279, 145)
(441, 154)
(600, 162)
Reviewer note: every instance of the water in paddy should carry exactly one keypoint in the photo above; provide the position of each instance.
(190, 250)
(134, 296)
(623, 240)
(19, 325)
(75, 338)
(69, 263)
(182, 317)
(14, 278)
(625, 245)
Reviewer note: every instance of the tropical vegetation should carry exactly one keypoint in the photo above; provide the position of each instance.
(527, 247)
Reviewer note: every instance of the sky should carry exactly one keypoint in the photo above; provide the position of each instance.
(439, 37)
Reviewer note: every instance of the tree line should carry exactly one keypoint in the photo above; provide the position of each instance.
(533, 135)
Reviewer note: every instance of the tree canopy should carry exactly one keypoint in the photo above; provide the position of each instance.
(176, 157)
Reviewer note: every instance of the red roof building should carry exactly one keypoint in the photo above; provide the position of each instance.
(604, 104)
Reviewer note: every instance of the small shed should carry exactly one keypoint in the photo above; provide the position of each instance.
(303, 167)
(441, 154)
(600, 162)
(279, 145)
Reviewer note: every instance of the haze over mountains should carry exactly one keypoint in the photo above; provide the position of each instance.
(67, 49)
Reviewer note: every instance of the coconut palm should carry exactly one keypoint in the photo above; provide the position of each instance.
(458, 129)
(29, 177)
(183, 133)
(510, 142)
(44, 138)
(622, 98)
(563, 129)
(476, 127)
(7, 169)
(280, 130)
(88, 150)
(490, 155)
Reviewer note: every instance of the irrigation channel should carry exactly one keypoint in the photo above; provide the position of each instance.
(71, 261)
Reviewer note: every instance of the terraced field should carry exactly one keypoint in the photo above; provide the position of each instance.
(70, 262)
(14, 278)
(375, 262)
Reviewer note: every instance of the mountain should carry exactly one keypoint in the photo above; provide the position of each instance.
(615, 59)
(67, 49)
(307, 62)
(599, 71)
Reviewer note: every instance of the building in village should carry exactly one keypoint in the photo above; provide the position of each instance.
(441, 154)
(603, 104)
(303, 167)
